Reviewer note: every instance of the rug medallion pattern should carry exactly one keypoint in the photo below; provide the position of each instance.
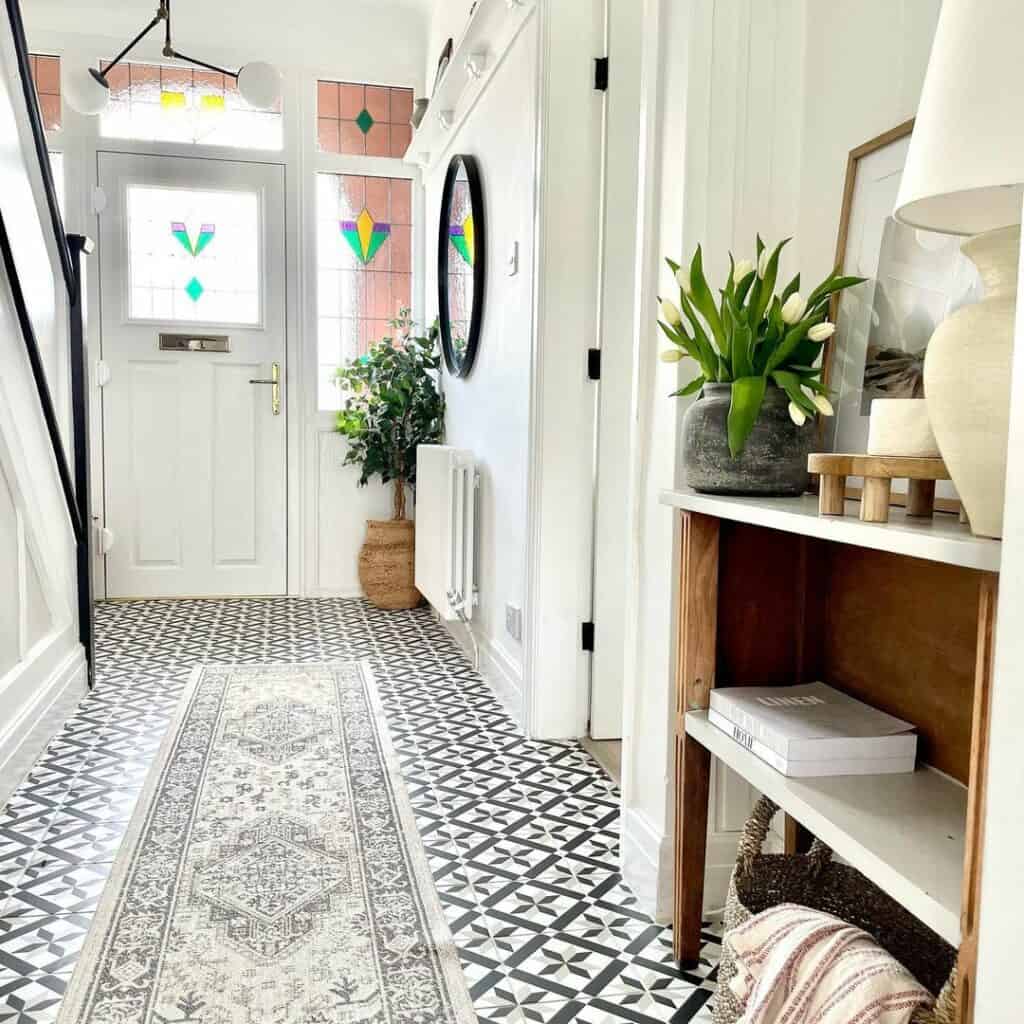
(272, 872)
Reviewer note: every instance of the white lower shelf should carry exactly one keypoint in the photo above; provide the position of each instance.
(904, 832)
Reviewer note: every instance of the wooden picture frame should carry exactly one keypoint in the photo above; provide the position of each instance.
(830, 375)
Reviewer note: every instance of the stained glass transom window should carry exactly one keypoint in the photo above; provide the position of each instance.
(46, 76)
(182, 104)
(363, 120)
(193, 255)
(364, 260)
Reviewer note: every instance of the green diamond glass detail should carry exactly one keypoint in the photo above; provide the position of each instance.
(194, 290)
(364, 120)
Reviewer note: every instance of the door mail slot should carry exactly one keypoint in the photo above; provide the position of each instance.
(195, 343)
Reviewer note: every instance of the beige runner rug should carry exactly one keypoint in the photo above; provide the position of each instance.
(272, 873)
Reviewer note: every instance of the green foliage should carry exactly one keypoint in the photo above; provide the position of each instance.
(392, 404)
(750, 336)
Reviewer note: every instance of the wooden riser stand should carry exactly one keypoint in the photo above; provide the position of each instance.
(758, 606)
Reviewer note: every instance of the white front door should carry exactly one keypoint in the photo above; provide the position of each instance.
(192, 272)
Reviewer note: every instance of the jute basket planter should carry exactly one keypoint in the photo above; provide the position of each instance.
(763, 880)
(387, 564)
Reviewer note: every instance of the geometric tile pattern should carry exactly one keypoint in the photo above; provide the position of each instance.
(521, 836)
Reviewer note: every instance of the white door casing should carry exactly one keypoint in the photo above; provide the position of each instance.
(618, 277)
(195, 476)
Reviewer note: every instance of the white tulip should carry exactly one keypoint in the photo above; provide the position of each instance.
(670, 312)
(793, 309)
(762, 263)
(821, 332)
(741, 270)
(671, 355)
(683, 280)
(824, 405)
(796, 414)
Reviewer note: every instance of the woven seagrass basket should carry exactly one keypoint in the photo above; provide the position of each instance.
(763, 880)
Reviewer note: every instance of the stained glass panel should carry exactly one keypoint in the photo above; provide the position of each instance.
(461, 257)
(363, 120)
(180, 104)
(46, 76)
(364, 259)
(193, 255)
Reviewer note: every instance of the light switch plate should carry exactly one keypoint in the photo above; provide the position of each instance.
(514, 621)
(513, 260)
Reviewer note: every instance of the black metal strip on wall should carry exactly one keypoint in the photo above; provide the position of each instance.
(80, 246)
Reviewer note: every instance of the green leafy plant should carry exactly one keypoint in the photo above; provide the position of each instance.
(392, 404)
(752, 337)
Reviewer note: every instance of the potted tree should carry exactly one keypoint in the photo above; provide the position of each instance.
(392, 404)
(760, 379)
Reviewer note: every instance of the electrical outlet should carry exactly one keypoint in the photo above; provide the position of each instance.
(514, 621)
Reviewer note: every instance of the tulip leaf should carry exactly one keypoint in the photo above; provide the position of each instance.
(793, 286)
(747, 396)
(760, 304)
(695, 385)
(704, 301)
(833, 283)
(741, 344)
(788, 345)
(744, 287)
(790, 383)
(708, 355)
(672, 265)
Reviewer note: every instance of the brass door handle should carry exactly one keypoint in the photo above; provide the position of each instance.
(275, 381)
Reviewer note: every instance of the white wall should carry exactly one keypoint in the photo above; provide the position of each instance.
(489, 411)
(42, 668)
(753, 135)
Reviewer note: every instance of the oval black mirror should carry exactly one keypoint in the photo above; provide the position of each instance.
(461, 264)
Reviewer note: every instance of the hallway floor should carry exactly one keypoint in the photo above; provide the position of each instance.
(522, 837)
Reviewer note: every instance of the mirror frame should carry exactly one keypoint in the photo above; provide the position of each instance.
(476, 200)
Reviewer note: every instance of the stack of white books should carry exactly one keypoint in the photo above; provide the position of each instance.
(813, 730)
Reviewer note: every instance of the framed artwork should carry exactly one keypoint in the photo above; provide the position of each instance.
(915, 280)
(442, 64)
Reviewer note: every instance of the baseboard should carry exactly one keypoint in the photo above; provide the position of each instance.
(502, 673)
(26, 736)
(646, 864)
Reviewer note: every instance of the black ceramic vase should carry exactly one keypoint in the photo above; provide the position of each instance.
(774, 461)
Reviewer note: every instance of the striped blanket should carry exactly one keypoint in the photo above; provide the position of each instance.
(801, 966)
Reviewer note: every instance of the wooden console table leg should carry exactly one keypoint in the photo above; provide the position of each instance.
(921, 498)
(874, 502)
(696, 638)
(693, 779)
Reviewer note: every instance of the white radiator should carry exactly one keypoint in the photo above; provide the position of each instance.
(446, 489)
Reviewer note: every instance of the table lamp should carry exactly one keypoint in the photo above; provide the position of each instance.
(963, 176)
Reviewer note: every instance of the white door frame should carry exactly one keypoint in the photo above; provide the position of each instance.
(254, 348)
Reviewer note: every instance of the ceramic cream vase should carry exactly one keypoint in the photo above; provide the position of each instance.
(967, 382)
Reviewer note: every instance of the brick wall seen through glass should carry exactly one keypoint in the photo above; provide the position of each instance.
(363, 120)
(184, 104)
(46, 76)
(364, 262)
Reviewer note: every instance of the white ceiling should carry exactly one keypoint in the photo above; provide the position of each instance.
(315, 33)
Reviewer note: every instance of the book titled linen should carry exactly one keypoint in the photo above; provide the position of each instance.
(815, 724)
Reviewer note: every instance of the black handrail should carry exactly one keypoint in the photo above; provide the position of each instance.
(28, 87)
(35, 359)
(70, 248)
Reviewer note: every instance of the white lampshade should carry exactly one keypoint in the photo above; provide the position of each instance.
(965, 166)
(85, 91)
(260, 84)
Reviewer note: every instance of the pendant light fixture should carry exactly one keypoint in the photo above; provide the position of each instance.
(88, 91)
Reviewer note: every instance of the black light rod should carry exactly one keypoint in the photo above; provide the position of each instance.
(149, 28)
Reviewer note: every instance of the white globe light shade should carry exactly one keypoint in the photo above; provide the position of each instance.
(260, 84)
(85, 92)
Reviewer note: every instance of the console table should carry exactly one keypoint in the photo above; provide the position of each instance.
(900, 615)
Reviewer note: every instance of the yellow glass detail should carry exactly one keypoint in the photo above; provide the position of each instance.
(172, 99)
(212, 102)
(364, 225)
(467, 227)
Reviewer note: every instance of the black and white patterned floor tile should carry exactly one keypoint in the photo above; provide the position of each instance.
(522, 836)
